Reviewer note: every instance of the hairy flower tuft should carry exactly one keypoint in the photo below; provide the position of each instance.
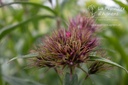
(68, 47)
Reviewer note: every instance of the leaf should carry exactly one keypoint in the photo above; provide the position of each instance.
(95, 58)
(115, 42)
(122, 5)
(25, 56)
(71, 80)
(67, 79)
(35, 1)
(19, 81)
(66, 3)
(74, 80)
(1, 80)
(4, 31)
(33, 4)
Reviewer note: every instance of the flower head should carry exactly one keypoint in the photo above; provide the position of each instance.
(97, 67)
(68, 47)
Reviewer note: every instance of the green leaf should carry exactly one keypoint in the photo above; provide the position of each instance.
(95, 58)
(67, 79)
(1, 80)
(19, 81)
(122, 5)
(33, 4)
(67, 3)
(115, 42)
(74, 80)
(71, 80)
(25, 56)
(4, 31)
(35, 1)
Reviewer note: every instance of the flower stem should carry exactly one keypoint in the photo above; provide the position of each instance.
(87, 75)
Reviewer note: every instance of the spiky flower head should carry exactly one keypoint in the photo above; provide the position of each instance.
(68, 47)
(97, 67)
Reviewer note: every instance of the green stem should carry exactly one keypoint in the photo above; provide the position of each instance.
(87, 75)
(72, 69)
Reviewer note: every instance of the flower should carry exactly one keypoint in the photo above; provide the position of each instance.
(69, 47)
(97, 67)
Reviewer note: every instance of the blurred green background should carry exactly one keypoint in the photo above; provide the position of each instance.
(24, 22)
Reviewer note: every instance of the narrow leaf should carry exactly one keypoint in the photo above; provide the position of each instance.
(33, 4)
(95, 58)
(1, 80)
(20, 81)
(74, 80)
(25, 56)
(122, 5)
(4, 31)
(71, 80)
(67, 79)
